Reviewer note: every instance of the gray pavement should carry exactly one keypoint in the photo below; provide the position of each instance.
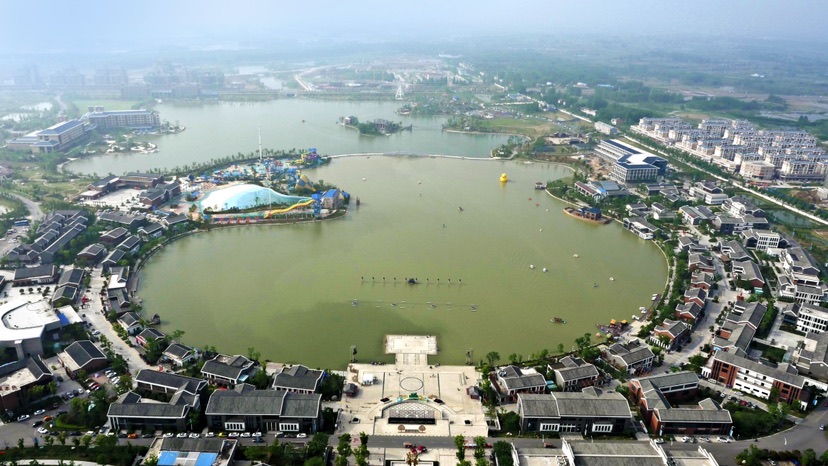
(94, 315)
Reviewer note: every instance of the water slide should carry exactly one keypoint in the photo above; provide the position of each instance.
(269, 213)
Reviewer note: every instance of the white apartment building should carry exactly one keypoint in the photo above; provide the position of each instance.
(812, 319)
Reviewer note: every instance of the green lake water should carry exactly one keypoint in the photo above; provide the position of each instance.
(288, 290)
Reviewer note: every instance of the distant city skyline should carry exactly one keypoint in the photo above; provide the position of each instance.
(102, 26)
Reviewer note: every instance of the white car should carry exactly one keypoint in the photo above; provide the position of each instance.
(685, 439)
(43, 431)
(181, 435)
(210, 434)
(168, 435)
(723, 440)
(659, 441)
(245, 435)
(302, 435)
(257, 434)
(195, 435)
(39, 412)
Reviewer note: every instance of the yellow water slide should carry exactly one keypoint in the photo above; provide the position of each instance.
(269, 213)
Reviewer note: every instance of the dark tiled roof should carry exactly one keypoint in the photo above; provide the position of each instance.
(171, 381)
(32, 272)
(297, 377)
(83, 352)
(245, 401)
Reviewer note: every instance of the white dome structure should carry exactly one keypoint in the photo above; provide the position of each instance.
(246, 196)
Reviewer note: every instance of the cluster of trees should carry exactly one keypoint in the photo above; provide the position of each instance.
(749, 423)
(754, 456)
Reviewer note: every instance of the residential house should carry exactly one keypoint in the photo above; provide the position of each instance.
(688, 312)
(671, 334)
(739, 328)
(298, 379)
(151, 231)
(734, 251)
(632, 357)
(92, 253)
(660, 212)
(641, 227)
(702, 280)
(511, 380)
(591, 411)
(149, 335)
(179, 355)
(114, 236)
(696, 295)
(700, 262)
(228, 370)
(175, 221)
(748, 271)
(130, 244)
(244, 408)
(654, 396)
(692, 215)
(130, 322)
(112, 259)
(574, 374)
(83, 356)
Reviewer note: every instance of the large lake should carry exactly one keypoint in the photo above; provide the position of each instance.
(215, 130)
(289, 290)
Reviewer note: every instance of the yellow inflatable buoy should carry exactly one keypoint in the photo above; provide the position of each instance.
(504, 178)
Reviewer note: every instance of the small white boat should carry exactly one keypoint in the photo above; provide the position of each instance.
(642, 309)
(531, 266)
(575, 256)
(544, 269)
(612, 279)
(541, 229)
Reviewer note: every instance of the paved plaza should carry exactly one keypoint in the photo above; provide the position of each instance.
(410, 397)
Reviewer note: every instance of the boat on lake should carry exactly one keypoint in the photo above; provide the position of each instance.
(539, 185)
(557, 320)
(590, 214)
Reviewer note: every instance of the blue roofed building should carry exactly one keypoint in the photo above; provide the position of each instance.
(332, 199)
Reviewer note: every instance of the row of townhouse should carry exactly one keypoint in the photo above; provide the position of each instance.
(739, 147)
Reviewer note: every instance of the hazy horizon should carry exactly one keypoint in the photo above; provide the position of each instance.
(109, 27)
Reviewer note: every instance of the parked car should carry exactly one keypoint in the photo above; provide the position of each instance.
(659, 441)
(23, 417)
(195, 435)
(132, 435)
(302, 435)
(723, 440)
(210, 434)
(168, 435)
(245, 435)
(37, 423)
(822, 427)
(181, 435)
(42, 431)
(39, 412)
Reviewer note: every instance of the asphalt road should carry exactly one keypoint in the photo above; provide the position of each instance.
(34, 209)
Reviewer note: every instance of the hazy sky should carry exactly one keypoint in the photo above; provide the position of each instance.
(106, 25)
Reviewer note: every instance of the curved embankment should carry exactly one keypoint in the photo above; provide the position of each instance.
(288, 209)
